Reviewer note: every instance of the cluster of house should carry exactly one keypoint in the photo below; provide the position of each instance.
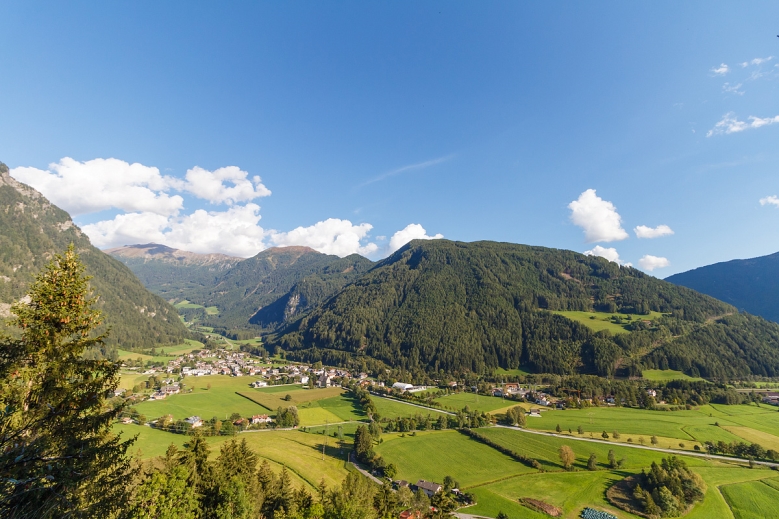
(170, 388)
(771, 398)
(196, 421)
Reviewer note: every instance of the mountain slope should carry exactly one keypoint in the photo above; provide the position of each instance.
(278, 283)
(751, 284)
(457, 307)
(173, 273)
(32, 230)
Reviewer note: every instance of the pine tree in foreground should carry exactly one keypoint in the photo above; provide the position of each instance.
(58, 457)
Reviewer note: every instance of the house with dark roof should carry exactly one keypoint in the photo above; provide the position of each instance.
(429, 488)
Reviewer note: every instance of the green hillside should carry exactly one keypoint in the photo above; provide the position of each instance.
(277, 284)
(751, 285)
(32, 230)
(459, 307)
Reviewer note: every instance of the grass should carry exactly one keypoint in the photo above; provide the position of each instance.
(769, 441)
(474, 401)
(512, 372)
(433, 455)
(597, 321)
(300, 453)
(389, 408)
(274, 397)
(752, 500)
(221, 400)
(665, 375)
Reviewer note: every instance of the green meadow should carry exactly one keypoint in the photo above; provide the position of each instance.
(389, 408)
(498, 481)
(665, 375)
(221, 400)
(301, 453)
(487, 404)
(598, 321)
(736, 423)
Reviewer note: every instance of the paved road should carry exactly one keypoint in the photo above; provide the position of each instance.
(363, 471)
(629, 445)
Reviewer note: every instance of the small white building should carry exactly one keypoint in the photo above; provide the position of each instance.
(259, 383)
(194, 421)
(403, 386)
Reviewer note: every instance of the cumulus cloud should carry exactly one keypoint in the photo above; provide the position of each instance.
(332, 236)
(642, 231)
(412, 231)
(650, 263)
(730, 124)
(721, 70)
(770, 200)
(100, 184)
(609, 253)
(598, 218)
(213, 185)
(235, 232)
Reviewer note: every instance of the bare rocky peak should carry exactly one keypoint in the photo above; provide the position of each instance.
(156, 251)
(24, 189)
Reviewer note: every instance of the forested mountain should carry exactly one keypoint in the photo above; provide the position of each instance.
(32, 230)
(453, 307)
(173, 273)
(751, 285)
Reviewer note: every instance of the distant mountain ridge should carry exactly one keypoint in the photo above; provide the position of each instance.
(751, 285)
(258, 292)
(155, 251)
(32, 230)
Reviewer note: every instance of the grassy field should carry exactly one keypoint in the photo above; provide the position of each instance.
(388, 408)
(220, 401)
(483, 403)
(498, 481)
(433, 455)
(665, 375)
(273, 397)
(737, 423)
(597, 321)
(512, 372)
(301, 453)
(752, 500)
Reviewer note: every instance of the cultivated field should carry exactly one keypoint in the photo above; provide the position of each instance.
(487, 404)
(665, 375)
(752, 500)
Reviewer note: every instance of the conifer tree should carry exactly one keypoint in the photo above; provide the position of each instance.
(57, 454)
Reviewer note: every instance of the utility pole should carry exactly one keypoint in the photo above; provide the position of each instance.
(324, 445)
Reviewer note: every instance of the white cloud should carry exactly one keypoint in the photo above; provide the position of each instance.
(609, 253)
(642, 231)
(770, 200)
(650, 263)
(598, 218)
(99, 184)
(756, 61)
(733, 89)
(410, 167)
(211, 185)
(721, 70)
(412, 231)
(235, 232)
(332, 236)
(730, 124)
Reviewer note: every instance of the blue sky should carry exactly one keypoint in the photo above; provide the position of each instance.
(470, 120)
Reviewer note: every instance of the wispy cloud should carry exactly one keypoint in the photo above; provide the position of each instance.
(721, 70)
(756, 61)
(733, 89)
(411, 167)
(730, 124)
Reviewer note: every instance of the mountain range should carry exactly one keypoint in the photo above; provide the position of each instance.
(751, 285)
(32, 230)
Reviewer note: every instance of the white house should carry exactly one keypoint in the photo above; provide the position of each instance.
(259, 383)
(194, 421)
